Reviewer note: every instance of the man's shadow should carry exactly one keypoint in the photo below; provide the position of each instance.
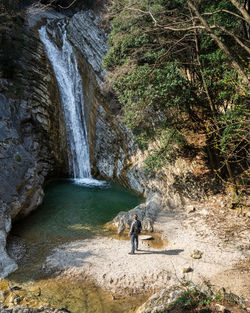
(166, 252)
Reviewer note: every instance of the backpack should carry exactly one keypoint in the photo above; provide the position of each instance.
(137, 227)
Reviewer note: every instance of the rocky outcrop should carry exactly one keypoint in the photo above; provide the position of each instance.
(161, 300)
(89, 39)
(7, 264)
(146, 212)
(181, 298)
(32, 132)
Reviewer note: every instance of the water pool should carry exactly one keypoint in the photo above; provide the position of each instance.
(75, 211)
(71, 211)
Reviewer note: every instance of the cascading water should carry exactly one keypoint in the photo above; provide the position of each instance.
(64, 63)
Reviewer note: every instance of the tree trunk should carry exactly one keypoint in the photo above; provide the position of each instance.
(231, 178)
(242, 10)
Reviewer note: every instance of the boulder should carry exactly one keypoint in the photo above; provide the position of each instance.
(146, 212)
(187, 270)
(7, 265)
(161, 300)
(147, 224)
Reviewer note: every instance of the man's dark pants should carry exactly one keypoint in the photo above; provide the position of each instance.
(134, 243)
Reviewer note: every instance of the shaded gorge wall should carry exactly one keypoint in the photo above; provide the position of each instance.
(32, 130)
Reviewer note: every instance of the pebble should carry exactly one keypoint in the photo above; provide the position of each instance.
(190, 209)
(197, 254)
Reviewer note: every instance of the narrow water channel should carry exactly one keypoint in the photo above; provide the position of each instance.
(70, 212)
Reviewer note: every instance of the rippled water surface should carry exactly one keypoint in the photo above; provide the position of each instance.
(71, 210)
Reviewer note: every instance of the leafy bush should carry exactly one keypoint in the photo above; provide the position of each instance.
(190, 300)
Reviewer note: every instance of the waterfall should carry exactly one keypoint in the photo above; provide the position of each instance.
(64, 63)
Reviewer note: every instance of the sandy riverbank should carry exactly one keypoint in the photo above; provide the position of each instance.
(107, 262)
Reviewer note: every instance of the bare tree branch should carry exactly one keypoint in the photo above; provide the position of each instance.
(38, 7)
(236, 38)
(194, 27)
(221, 45)
(168, 27)
(223, 10)
(74, 1)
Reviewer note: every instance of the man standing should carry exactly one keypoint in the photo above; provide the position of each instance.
(135, 229)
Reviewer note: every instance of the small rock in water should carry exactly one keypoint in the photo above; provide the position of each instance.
(146, 237)
(196, 254)
(17, 300)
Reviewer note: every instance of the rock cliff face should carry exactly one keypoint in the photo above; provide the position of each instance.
(111, 143)
(32, 131)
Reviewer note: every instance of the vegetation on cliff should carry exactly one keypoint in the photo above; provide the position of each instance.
(179, 67)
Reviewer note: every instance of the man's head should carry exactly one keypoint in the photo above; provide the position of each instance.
(135, 216)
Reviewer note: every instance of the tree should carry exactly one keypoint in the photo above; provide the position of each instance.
(181, 64)
(219, 42)
(242, 10)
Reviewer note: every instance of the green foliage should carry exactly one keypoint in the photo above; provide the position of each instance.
(171, 81)
(170, 141)
(191, 299)
(148, 95)
(234, 128)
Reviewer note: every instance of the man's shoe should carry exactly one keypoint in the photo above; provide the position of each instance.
(131, 253)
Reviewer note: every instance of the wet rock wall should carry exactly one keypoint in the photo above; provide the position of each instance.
(32, 132)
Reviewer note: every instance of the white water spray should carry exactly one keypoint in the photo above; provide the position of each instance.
(64, 63)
